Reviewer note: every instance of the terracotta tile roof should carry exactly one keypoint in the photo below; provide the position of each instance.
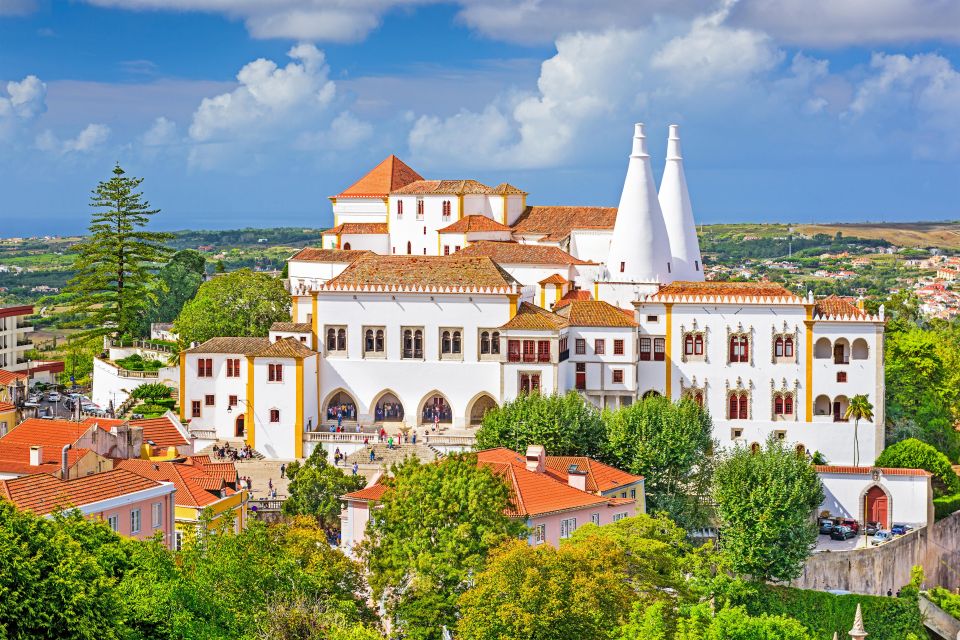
(358, 228)
(225, 470)
(531, 317)
(161, 431)
(46, 433)
(6, 407)
(43, 493)
(474, 223)
(103, 423)
(600, 477)
(194, 487)
(293, 327)
(285, 348)
(15, 458)
(443, 187)
(422, 271)
(516, 253)
(556, 222)
(245, 346)
(373, 493)
(315, 254)
(837, 306)
(887, 471)
(506, 189)
(391, 174)
(570, 296)
(554, 279)
(595, 313)
(713, 289)
(10, 377)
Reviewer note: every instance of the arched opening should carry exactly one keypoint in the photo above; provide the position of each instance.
(877, 504)
(341, 405)
(738, 408)
(239, 430)
(479, 408)
(388, 408)
(859, 350)
(409, 248)
(821, 406)
(435, 409)
(840, 404)
(841, 351)
(346, 246)
(652, 393)
(822, 348)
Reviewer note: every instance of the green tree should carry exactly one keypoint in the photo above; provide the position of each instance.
(178, 282)
(565, 425)
(669, 444)
(736, 624)
(220, 267)
(240, 303)
(543, 593)
(914, 454)
(434, 528)
(764, 503)
(315, 489)
(152, 391)
(858, 409)
(113, 286)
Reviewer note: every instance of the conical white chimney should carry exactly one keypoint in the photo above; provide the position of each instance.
(678, 214)
(640, 248)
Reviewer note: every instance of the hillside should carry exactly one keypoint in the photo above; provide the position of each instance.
(944, 235)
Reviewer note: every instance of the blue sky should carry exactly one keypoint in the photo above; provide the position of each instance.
(252, 112)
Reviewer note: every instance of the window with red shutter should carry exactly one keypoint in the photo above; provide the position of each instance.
(274, 415)
(645, 348)
(618, 347)
(513, 350)
(618, 375)
(599, 346)
(543, 351)
(659, 349)
(743, 406)
(195, 408)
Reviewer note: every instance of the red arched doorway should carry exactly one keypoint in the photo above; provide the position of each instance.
(239, 431)
(878, 507)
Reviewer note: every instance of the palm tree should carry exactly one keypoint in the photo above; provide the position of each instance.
(859, 408)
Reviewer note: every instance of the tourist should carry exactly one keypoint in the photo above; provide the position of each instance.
(270, 484)
(390, 442)
(372, 456)
(336, 456)
(356, 467)
(339, 420)
(414, 437)
(283, 470)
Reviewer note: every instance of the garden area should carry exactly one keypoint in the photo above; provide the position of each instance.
(153, 400)
(137, 362)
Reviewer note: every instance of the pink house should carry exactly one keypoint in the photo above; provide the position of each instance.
(553, 495)
(132, 505)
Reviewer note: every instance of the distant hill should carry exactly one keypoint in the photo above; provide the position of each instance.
(944, 235)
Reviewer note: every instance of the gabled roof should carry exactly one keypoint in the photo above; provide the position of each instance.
(420, 272)
(570, 296)
(718, 289)
(292, 327)
(507, 189)
(44, 494)
(516, 253)
(443, 187)
(46, 433)
(358, 228)
(391, 174)
(285, 348)
(242, 346)
(556, 222)
(10, 377)
(474, 223)
(554, 279)
(595, 313)
(161, 431)
(373, 493)
(533, 318)
(315, 254)
(194, 487)
(600, 477)
(835, 305)
(225, 470)
(15, 458)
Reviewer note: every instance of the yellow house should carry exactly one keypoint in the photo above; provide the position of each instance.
(202, 487)
(8, 417)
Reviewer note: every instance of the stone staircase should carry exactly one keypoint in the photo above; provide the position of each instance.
(234, 443)
(387, 457)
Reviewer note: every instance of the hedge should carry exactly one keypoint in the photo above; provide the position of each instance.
(914, 454)
(884, 618)
(945, 505)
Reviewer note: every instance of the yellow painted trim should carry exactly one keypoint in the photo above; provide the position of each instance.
(293, 307)
(596, 290)
(386, 206)
(460, 207)
(316, 330)
(438, 245)
(559, 291)
(503, 219)
(808, 361)
(513, 297)
(249, 423)
(543, 296)
(668, 350)
(183, 384)
(336, 220)
(298, 425)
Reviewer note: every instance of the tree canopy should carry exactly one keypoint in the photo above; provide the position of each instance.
(764, 501)
(315, 488)
(240, 303)
(914, 454)
(177, 282)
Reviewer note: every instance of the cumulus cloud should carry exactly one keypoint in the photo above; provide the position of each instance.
(90, 138)
(25, 101)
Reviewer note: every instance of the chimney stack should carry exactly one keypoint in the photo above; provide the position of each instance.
(678, 214)
(536, 458)
(36, 455)
(576, 478)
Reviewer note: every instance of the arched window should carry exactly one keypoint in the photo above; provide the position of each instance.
(368, 341)
(859, 350)
(778, 347)
(379, 340)
(346, 246)
(788, 404)
(688, 345)
(495, 342)
(734, 407)
(418, 344)
(737, 409)
(445, 342)
(331, 339)
(755, 447)
(698, 398)
(739, 348)
(484, 342)
(743, 407)
(698, 345)
(778, 404)
(409, 248)
(408, 343)
(446, 208)
(341, 339)
(399, 209)
(801, 451)
(457, 342)
(420, 209)
(788, 347)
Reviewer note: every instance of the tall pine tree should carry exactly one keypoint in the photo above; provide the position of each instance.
(113, 286)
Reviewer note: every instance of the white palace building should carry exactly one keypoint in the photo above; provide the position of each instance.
(431, 301)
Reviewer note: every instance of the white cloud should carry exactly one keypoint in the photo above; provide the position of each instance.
(162, 133)
(90, 138)
(25, 102)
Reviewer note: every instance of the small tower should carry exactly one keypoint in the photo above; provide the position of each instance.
(678, 214)
(858, 632)
(640, 248)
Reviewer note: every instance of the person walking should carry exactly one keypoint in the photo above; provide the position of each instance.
(372, 456)
(356, 468)
(283, 471)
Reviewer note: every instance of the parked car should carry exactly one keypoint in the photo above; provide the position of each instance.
(872, 528)
(826, 526)
(900, 529)
(851, 523)
(842, 533)
(881, 536)
(53, 396)
(34, 397)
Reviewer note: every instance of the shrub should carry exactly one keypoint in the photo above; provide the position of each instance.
(946, 505)
(914, 454)
(154, 391)
(946, 600)
(150, 409)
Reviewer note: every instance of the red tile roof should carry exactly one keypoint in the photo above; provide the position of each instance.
(358, 228)
(570, 296)
(474, 223)
(22, 310)
(443, 187)
(194, 487)
(315, 254)
(9, 377)
(44, 494)
(837, 306)
(289, 347)
(225, 470)
(554, 279)
(454, 271)
(595, 313)
(531, 317)
(15, 458)
(161, 431)
(600, 477)
(887, 471)
(507, 189)
(6, 407)
(373, 493)
(556, 223)
(391, 174)
(714, 289)
(516, 253)
(46, 433)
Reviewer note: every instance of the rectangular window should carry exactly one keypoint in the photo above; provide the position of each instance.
(399, 209)
(209, 400)
(374, 343)
(659, 349)
(156, 513)
(580, 346)
(205, 368)
(135, 521)
(645, 348)
(195, 408)
(617, 517)
(599, 346)
(513, 350)
(336, 340)
(529, 350)
(841, 376)
(178, 540)
(567, 527)
(274, 415)
(446, 249)
(595, 518)
(274, 373)
(653, 318)
(618, 376)
(529, 383)
(412, 343)
(456, 248)
(543, 351)
(114, 522)
(540, 534)
(633, 493)
(233, 367)
(618, 347)
(232, 401)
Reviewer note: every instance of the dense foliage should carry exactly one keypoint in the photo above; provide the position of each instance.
(177, 282)
(764, 501)
(241, 303)
(913, 454)
(946, 600)
(315, 489)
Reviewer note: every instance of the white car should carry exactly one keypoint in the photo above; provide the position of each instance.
(53, 396)
(881, 536)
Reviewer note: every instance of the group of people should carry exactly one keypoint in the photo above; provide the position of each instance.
(389, 411)
(342, 412)
(226, 452)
